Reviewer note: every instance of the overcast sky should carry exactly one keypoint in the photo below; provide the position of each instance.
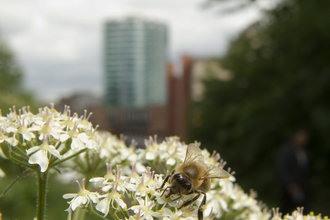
(59, 43)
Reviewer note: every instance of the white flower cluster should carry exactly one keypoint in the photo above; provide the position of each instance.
(114, 151)
(223, 199)
(50, 138)
(297, 215)
(142, 190)
(45, 138)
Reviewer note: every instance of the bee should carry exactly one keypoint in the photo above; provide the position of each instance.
(192, 176)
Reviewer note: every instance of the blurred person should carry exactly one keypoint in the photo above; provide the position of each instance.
(293, 163)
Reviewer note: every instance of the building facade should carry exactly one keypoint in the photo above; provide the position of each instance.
(134, 63)
(164, 121)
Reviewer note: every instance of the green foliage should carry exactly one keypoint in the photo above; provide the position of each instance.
(230, 6)
(11, 74)
(281, 77)
(20, 201)
(12, 93)
(11, 78)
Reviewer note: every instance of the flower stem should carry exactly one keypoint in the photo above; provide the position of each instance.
(91, 211)
(8, 152)
(124, 213)
(154, 167)
(42, 193)
(68, 158)
(79, 214)
(113, 214)
(25, 173)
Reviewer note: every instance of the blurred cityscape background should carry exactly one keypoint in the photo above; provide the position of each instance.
(238, 76)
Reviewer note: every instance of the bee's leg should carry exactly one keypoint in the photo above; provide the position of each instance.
(165, 180)
(178, 197)
(201, 206)
(164, 190)
(191, 200)
(181, 195)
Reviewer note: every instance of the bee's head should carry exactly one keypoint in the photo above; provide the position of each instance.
(180, 183)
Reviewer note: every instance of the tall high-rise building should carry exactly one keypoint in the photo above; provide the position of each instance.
(134, 63)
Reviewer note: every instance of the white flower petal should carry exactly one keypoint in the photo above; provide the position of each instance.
(103, 206)
(34, 128)
(32, 150)
(28, 135)
(121, 203)
(94, 197)
(12, 141)
(140, 168)
(167, 212)
(84, 200)
(55, 133)
(135, 208)
(77, 144)
(140, 200)
(148, 217)
(54, 152)
(76, 202)
(69, 195)
(224, 205)
(98, 181)
(170, 161)
(64, 137)
(107, 188)
(83, 137)
(150, 155)
(40, 157)
(69, 213)
(41, 136)
(130, 187)
(2, 174)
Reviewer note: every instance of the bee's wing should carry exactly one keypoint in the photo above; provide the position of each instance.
(194, 154)
(215, 172)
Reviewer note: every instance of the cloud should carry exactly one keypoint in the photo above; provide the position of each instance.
(59, 43)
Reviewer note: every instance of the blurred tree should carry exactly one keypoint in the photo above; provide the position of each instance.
(281, 81)
(11, 74)
(11, 78)
(230, 6)
(12, 93)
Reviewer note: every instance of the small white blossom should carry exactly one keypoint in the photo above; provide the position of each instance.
(39, 154)
(80, 199)
(296, 215)
(109, 199)
(50, 128)
(78, 140)
(101, 181)
(83, 122)
(145, 206)
(12, 141)
(216, 203)
(92, 141)
(116, 181)
(178, 214)
(24, 130)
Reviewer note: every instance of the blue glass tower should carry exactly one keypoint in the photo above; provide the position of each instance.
(134, 63)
